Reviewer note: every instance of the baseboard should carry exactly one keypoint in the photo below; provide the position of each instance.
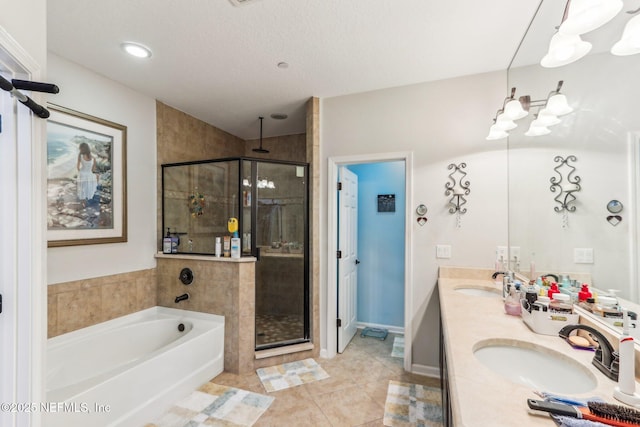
(427, 371)
(392, 329)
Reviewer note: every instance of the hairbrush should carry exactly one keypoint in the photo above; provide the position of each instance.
(605, 413)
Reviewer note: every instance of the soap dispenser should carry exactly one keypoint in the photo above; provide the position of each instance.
(512, 303)
(625, 391)
(166, 242)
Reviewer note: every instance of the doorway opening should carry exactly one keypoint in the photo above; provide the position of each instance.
(341, 298)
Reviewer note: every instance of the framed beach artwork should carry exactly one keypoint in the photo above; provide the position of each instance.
(86, 179)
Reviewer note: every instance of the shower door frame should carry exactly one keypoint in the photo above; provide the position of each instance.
(255, 251)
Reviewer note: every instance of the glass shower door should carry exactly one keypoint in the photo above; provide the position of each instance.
(280, 227)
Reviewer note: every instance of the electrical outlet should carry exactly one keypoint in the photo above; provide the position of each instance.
(501, 253)
(514, 252)
(443, 251)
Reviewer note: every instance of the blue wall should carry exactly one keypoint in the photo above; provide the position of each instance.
(380, 244)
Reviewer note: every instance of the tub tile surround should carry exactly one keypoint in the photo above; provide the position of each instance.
(478, 394)
(81, 303)
(226, 288)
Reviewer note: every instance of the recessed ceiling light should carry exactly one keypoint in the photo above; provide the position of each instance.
(136, 49)
(279, 116)
(283, 65)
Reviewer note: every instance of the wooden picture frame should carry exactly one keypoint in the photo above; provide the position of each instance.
(86, 193)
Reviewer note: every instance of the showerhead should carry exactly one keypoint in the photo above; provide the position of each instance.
(260, 149)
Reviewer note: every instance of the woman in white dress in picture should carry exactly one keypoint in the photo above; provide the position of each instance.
(87, 182)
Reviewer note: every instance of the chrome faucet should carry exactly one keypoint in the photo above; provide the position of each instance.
(606, 358)
(182, 297)
(507, 279)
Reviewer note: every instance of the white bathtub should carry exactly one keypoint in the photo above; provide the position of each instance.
(138, 365)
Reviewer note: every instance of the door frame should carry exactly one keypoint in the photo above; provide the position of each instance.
(28, 269)
(332, 244)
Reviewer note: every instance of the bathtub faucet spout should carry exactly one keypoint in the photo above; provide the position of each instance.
(181, 298)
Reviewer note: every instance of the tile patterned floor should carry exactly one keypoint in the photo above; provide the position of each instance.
(273, 328)
(354, 395)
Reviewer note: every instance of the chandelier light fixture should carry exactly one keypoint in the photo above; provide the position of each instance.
(549, 109)
(583, 16)
(629, 43)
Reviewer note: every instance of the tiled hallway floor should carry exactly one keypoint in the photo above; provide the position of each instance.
(354, 395)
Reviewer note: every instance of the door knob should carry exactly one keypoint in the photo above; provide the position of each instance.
(357, 261)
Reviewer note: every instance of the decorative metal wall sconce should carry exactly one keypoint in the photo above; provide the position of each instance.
(457, 188)
(566, 184)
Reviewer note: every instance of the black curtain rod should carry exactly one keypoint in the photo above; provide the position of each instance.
(37, 109)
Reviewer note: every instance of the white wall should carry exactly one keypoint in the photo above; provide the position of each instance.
(90, 93)
(601, 88)
(441, 122)
(26, 21)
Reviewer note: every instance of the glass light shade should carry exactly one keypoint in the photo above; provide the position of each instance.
(537, 130)
(629, 43)
(504, 123)
(546, 119)
(587, 15)
(514, 111)
(564, 49)
(558, 105)
(495, 133)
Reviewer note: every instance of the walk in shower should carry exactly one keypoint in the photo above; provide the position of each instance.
(270, 200)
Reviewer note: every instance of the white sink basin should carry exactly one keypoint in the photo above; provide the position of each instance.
(480, 292)
(534, 366)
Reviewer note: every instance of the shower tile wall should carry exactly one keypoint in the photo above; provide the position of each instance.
(181, 137)
(219, 287)
(290, 148)
(81, 303)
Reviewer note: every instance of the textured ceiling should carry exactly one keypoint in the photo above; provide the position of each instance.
(218, 62)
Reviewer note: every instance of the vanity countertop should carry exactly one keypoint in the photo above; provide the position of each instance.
(479, 396)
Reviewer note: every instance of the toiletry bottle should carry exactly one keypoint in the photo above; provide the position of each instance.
(625, 391)
(584, 293)
(175, 242)
(235, 247)
(226, 247)
(544, 302)
(560, 303)
(532, 267)
(553, 290)
(218, 247)
(166, 242)
(512, 303)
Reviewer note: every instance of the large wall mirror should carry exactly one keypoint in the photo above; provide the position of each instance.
(593, 234)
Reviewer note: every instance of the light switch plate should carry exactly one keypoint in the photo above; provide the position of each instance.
(443, 251)
(583, 255)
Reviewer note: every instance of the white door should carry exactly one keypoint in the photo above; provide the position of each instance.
(22, 254)
(348, 261)
(7, 256)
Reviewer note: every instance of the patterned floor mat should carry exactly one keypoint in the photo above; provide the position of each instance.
(291, 374)
(412, 405)
(216, 405)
